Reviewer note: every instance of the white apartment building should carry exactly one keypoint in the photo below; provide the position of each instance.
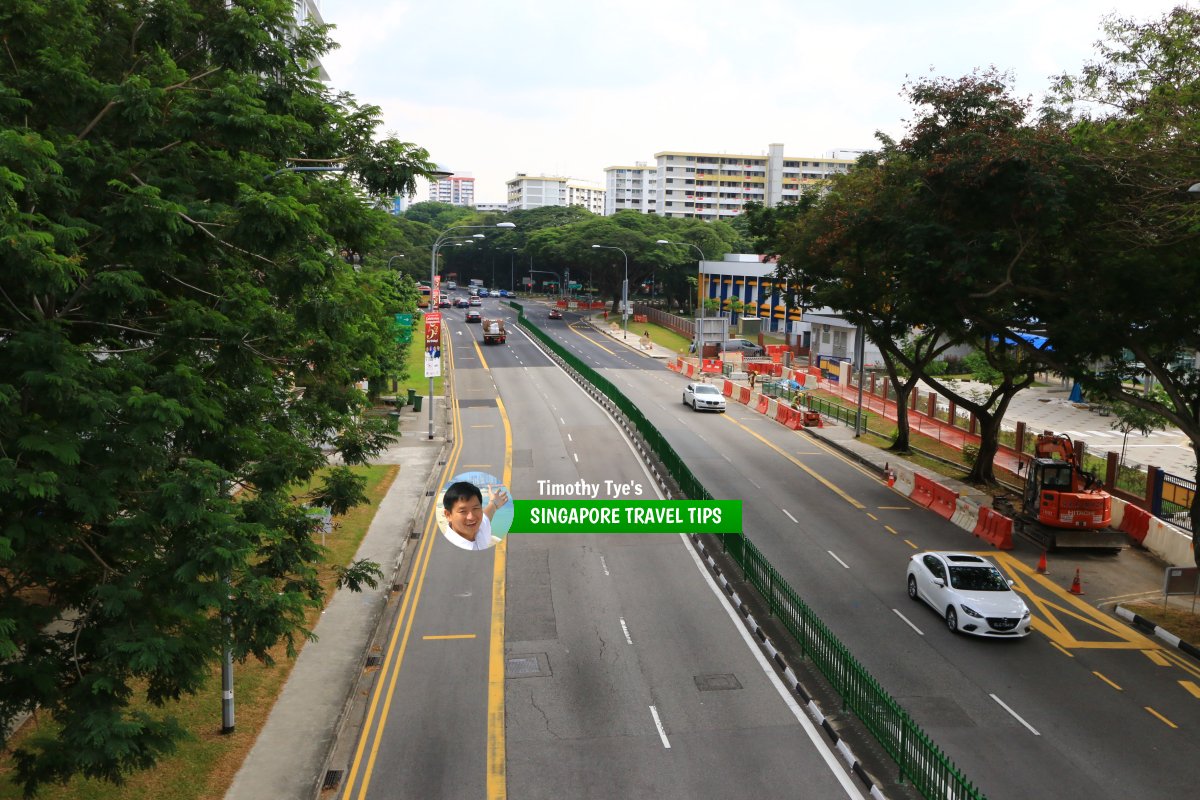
(304, 11)
(717, 185)
(633, 188)
(535, 191)
(457, 190)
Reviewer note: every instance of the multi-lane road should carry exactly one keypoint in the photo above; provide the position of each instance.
(610, 666)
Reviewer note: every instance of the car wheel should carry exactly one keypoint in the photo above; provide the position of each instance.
(685, 402)
(952, 619)
(912, 588)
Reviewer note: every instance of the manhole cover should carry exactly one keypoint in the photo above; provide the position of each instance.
(534, 665)
(717, 683)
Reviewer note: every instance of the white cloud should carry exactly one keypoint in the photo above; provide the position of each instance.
(541, 86)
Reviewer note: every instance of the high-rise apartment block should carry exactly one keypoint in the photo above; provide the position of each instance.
(634, 188)
(457, 190)
(717, 185)
(535, 191)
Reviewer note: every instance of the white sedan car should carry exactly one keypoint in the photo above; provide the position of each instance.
(969, 592)
(703, 397)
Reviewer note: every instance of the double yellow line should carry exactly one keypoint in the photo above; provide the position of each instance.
(398, 645)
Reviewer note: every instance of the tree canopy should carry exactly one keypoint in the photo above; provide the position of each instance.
(177, 323)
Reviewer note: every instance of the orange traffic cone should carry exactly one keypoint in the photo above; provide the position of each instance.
(1075, 588)
(1041, 567)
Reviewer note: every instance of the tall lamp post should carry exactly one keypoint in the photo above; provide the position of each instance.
(699, 295)
(442, 239)
(512, 275)
(624, 289)
(393, 258)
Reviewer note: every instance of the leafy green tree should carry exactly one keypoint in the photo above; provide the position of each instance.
(1124, 298)
(1132, 418)
(177, 322)
(438, 216)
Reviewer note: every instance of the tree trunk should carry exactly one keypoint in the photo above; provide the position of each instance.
(983, 470)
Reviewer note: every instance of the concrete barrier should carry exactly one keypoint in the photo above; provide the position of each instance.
(1173, 545)
(904, 480)
(772, 405)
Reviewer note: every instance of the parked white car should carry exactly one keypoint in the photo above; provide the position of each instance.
(703, 397)
(969, 592)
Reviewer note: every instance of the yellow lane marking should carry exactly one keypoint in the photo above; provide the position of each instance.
(449, 636)
(1052, 614)
(891, 530)
(1191, 687)
(821, 479)
(1158, 658)
(910, 544)
(1183, 662)
(895, 508)
(1161, 717)
(872, 516)
(394, 657)
(497, 756)
(1061, 649)
(1106, 680)
(590, 339)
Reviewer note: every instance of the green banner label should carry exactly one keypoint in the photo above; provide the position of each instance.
(623, 516)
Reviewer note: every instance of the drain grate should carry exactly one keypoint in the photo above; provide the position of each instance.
(333, 779)
(534, 665)
(374, 661)
(720, 682)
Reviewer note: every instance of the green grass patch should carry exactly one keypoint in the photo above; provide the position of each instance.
(414, 362)
(1180, 621)
(206, 762)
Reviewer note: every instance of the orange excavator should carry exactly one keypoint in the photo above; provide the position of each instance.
(1063, 506)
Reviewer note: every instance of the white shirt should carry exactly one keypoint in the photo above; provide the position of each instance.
(483, 537)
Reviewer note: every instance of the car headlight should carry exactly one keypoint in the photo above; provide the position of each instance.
(970, 612)
(1025, 615)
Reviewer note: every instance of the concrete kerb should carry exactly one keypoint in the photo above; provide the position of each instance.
(1148, 626)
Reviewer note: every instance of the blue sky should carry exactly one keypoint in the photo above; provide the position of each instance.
(565, 88)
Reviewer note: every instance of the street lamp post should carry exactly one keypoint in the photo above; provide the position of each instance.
(699, 296)
(512, 275)
(624, 289)
(442, 239)
(393, 258)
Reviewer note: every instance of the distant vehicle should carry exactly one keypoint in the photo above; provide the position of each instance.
(423, 293)
(494, 293)
(483, 292)
(443, 302)
(462, 302)
(970, 594)
(473, 315)
(493, 331)
(703, 397)
(504, 292)
(743, 346)
(474, 301)
(555, 314)
(451, 286)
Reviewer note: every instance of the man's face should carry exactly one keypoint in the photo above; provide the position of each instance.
(465, 518)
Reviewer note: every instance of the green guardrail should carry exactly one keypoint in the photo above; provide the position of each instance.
(919, 760)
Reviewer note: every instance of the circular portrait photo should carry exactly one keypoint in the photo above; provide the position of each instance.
(474, 510)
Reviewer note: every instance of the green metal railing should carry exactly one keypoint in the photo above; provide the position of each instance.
(919, 760)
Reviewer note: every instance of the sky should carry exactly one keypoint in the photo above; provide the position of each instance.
(560, 87)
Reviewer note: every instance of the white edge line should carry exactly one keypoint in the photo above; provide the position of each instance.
(908, 622)
(604, 564)
(625, 630)
(1015, 715)
(576, 455)
(835, 558)
(662, 734)
(789, 514)
(817, 739)
(755, 483)
(569, 439)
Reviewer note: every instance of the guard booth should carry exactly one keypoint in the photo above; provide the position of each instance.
(713, 333)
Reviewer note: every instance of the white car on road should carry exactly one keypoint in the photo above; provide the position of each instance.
(970, 594)
(703, 397)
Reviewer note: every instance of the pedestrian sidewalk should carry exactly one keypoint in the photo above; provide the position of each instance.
(288, 760)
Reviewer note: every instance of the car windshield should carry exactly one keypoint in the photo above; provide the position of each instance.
(978, 579)
(704, 388)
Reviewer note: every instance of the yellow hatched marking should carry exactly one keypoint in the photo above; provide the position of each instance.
(449, 636)
(1158, 658)
(1161, 717)
(1192, 688)
(1106, 680)
(1061, 649)
(590, 339)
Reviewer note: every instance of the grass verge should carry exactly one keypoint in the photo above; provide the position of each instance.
(205, 763)
(1180, 621)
